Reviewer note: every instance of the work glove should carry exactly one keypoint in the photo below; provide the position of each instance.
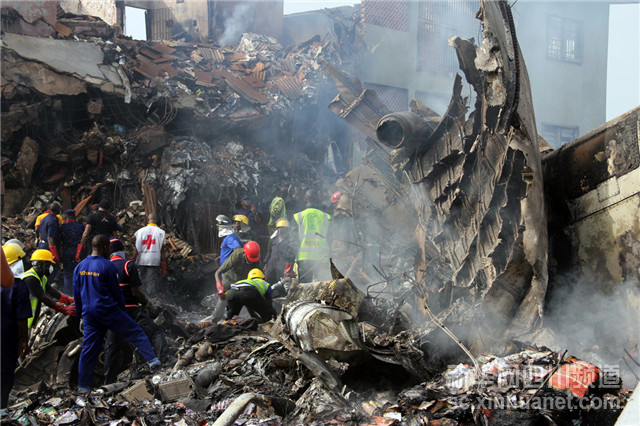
(54, 253)
(66, 309)
(288, 270)
(163, 266)
(221, 290)
(64, 299)
(78, 252)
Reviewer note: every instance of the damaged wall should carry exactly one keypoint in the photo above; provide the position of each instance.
(592, 188)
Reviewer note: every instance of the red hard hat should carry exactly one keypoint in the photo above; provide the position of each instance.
(252, 251)
(335, 197)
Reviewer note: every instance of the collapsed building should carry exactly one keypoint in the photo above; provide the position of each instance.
(184, 128)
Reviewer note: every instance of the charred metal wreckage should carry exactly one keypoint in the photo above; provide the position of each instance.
(461, 270)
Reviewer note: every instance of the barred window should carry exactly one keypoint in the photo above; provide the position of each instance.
(438, 21)
(393, 14)
(558, 135)
(564, 39)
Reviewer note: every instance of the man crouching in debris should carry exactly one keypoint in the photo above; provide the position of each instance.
(254, 293)
(136, 306)
(41, 290)
(100, 303)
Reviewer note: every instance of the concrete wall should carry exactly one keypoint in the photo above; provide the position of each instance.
(392, 60)
(564, 93)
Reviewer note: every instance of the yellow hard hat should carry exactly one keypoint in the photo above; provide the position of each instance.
(241, 218)
(282, 222)
(42, 254)
(10, 253)
(19, 249)
(255, 273)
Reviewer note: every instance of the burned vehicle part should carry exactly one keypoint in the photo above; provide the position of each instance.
(471, 181)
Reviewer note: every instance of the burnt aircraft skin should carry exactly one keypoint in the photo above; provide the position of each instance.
(471, 186)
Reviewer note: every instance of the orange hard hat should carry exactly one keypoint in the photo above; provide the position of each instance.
(252, 251)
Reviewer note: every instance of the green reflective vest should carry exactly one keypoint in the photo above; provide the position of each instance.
(34, 301)
(261, 285)
(313, 226)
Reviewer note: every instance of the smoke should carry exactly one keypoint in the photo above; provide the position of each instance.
(236, 24)
(596, 321)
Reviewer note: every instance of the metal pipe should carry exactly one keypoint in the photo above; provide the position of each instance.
(236, 408)
(403, 129)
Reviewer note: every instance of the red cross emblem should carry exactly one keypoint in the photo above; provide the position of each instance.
(148, 242)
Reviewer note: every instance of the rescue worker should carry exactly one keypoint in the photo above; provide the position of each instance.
(100, 303)
(233, 241)
(14, 255)
(100, 222)
(277, 208)
(249, 210)
(136, 306)
(237, 266)
(49, 232)
(39, 221)
(234, 269)
(70, 236)
(254, 293)
(15, 312)
(7, 274)
(149, 254)
(41, 290)
(282, 253)
(313, 231)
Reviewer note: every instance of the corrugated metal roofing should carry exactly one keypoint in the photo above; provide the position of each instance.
(290, 87)
(243, 89)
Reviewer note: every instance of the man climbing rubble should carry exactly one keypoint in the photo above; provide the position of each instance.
(233, 241)
(249, 210)
(49, 231)
(277, 208)
(138, 307)
(234, 269)
(254, 293)
(149, 254)
(100, 303)
(313, 231)
(37, 280)
(100, 222)
(70, 236)
(38, 222)
(281, 255)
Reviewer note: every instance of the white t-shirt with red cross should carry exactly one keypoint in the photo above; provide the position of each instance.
(149, 242)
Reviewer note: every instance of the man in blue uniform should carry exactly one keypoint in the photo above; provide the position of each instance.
(15, 312)
(49, 230)
(100, 303)
(136, 306)
(70, 236)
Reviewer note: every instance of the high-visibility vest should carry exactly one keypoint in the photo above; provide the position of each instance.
(313, 225)
(261, 285)
(34, 301)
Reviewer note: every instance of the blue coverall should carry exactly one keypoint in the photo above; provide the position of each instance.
(49, 227)
(70, 236)
(99, 302)
(229, 244)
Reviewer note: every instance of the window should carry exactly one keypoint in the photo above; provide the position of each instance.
(393, 14)
(558, 135)
(564, 39)
(437, 22)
